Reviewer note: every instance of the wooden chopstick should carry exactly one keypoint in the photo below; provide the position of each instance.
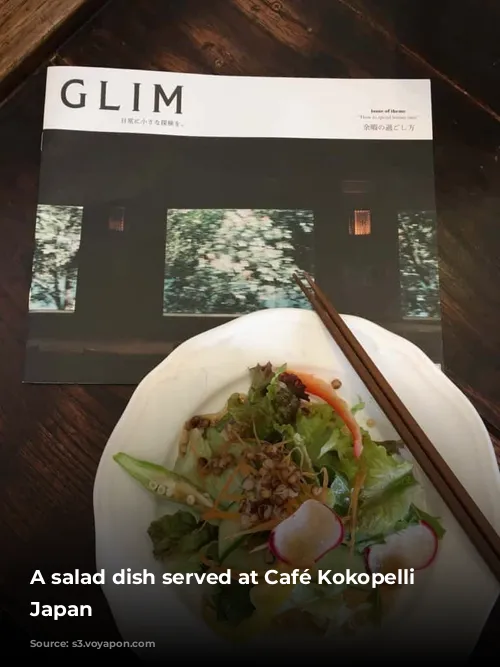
(467, 513)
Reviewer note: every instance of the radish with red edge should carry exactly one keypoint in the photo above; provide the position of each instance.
(307, 535)
(415, 547)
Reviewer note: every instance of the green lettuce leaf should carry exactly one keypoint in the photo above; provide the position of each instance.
(241, 560)
(214, 485)
(304, 595)
(251, 416)
(364, 542)
(388, 490)
(392, 446)
(232, 603)
(414, 516)
(327, 611)
(296, 443)
(358, 407)
(191, 562)
(208, 445)
(260, 378)
(389, 486)
(315, 425)
(214, 438)
(275, 377)
(380, 515)
(342, 491)
(179, 535)
(417, 515)
(187, 465)
(269, 405)
(284, 402)
(338, 561)
(338, 442)
(321, 433)
(383, 469)
(330, 498)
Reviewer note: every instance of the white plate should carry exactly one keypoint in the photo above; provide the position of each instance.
(457, 593)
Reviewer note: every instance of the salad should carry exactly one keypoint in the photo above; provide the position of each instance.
(284, 477)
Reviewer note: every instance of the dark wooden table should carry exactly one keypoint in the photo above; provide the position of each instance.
(51, 437)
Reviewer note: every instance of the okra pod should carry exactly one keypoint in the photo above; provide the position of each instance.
(164, 483)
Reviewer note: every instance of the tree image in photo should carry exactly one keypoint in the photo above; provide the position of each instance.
(55, 268)
(235, 261)
(418, 264)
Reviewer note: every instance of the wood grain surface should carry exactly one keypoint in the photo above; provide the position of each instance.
(51, 437)
(28, 28)
(26, 23)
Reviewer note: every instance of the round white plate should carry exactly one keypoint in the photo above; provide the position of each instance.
(456, 595)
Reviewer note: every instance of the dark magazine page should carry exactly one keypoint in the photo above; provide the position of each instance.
(170, 206)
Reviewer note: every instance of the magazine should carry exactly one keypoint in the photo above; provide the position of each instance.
(172, 203)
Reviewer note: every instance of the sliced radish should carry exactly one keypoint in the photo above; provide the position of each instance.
(307, 535)
(415, 547)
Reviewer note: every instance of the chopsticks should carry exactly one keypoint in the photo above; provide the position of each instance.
(480, 532)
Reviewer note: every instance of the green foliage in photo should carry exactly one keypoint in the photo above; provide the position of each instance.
(418, 262)
(235, 261)
(55, 270)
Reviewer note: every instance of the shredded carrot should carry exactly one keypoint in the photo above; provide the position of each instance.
(204, 471)
(291, 506)
(260, 528)
(228, 483)
(193, 449)
(324, 492)
(246, 469)
(233, 498)
(219, 568)
(307, 490)
(183, 441)
(359, 480)
(240, 439)
(206, 561)
(224, 448)
(216, 513)
(214, 566)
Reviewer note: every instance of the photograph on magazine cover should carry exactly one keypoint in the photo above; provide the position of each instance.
(142, 242)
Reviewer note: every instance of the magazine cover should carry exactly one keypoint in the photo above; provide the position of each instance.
(171, 203)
